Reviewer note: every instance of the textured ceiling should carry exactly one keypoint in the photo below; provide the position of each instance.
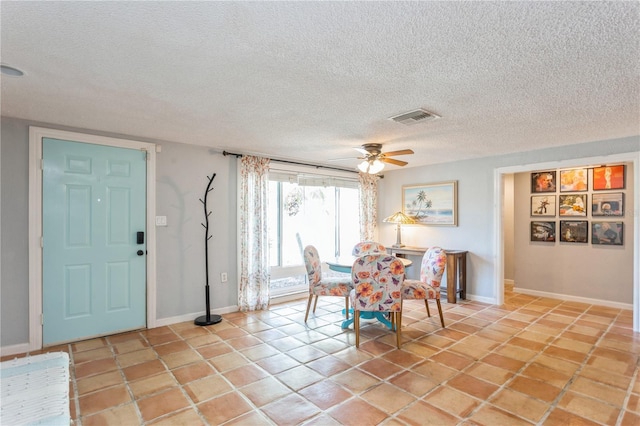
(311, 80)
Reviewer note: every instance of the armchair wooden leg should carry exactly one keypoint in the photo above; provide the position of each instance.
(398, 322)
(346, 307)
(440, 312)
(356, 326)
(308, 307)
(315, 304)
(426, 304)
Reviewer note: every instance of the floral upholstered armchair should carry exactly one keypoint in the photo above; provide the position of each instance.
(318, 286)
(428, 287)
(368, 247)
(377, 282)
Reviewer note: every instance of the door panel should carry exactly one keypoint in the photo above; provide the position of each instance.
(94, 202)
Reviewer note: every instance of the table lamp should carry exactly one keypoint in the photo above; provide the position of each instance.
(399, 219)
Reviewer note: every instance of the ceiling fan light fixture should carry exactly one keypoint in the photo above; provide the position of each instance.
(371, 166)
(376, 167)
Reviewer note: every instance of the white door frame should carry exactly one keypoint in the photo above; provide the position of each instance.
(632, 157)
(36, 134)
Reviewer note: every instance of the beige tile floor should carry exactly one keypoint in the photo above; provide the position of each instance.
(531, 361)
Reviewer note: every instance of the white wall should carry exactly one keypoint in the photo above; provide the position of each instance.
(476, 206)
(593, 271)
(181, 178)
(508, 226)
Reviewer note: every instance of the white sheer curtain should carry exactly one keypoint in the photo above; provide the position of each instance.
(368, 206)
(254, 236)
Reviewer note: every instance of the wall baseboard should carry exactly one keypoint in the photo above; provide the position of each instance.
(289, 297)
(14, 349)
(481, 299)
(191, 317)
(569, 298)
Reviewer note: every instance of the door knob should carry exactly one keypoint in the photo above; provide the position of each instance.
(140, 252)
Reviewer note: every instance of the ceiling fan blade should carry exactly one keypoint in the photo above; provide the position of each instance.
(392, 161)
(401, 152)
(362, 151)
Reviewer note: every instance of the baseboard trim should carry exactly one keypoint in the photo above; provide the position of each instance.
(14, 349)
(481, 299)
(289, 297)
(191, 317)
(569, 298)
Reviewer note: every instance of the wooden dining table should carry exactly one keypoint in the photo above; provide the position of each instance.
(344, 264)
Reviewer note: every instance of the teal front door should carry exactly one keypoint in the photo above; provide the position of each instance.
(94, 240)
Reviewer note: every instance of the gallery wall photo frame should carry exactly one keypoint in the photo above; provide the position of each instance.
(608, 204)
(572, 205)
(574, 231)
(544, 181)
(607, 233)
(432, 204)
(543, 205)
(543, 231)
(608, 177)
(574, 180)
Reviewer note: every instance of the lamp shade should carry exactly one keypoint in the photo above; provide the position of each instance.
(399, 218)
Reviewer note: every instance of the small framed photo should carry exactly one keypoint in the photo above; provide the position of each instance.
(607, 204)
(543, 181)
(572, 205)
(543, 205)
(574, 231)
(608, 177)
(574, 180)
(607, 233)
(543, 232)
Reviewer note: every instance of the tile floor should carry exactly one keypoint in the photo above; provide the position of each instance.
(531, 361)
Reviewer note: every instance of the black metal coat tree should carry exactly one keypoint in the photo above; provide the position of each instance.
(207, 319)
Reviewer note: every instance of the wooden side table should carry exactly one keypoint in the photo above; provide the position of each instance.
(456, 269)
(456, 274)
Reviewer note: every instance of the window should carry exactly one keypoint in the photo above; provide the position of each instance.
(309, 209)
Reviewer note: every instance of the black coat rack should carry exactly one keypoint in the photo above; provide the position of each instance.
(207, 319)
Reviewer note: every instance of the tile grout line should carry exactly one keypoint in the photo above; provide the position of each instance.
(572, 379)
(168, 370)
(629, 391)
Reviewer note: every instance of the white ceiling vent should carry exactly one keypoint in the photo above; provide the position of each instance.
(412, 117)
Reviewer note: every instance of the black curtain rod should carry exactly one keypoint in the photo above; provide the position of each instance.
(225, 153)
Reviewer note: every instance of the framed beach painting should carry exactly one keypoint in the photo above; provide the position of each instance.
(432, 204)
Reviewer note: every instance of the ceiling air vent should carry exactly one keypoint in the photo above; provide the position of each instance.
(413, 117)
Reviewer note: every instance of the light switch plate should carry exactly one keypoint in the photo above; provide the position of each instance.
(161, 221)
